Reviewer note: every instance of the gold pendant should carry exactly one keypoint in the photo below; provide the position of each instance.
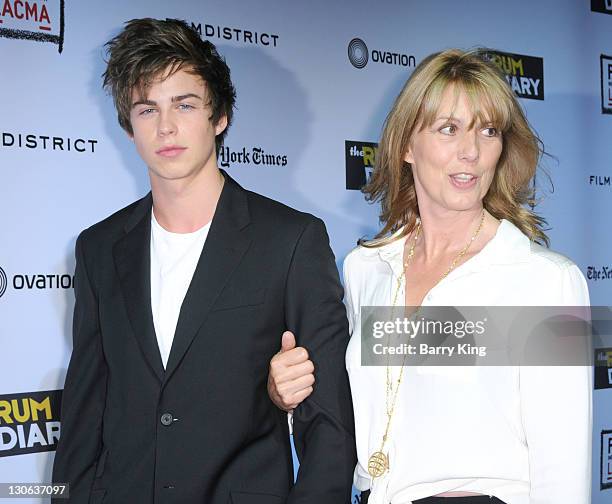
(378, 464)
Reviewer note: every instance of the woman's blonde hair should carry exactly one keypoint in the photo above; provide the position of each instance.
(492, 102)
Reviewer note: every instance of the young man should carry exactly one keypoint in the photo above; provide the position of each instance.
(178, 299)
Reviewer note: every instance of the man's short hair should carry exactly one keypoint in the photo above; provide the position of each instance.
(148, 49)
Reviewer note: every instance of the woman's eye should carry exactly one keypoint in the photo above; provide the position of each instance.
(490, 131)
(449, 129)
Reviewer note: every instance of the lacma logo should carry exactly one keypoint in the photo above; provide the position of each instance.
(38, 20)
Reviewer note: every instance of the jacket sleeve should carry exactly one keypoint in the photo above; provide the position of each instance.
(84, 393)
(323, 424)
(556, 408)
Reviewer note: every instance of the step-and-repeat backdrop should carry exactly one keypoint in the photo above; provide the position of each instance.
(315, 81)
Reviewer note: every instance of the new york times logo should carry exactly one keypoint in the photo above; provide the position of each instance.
(604, 6)
(253, 156)
(606, 84)
(360, 159)
(29, 423)
(359, 55)
(596, 273)
(525, 74)
(39, 20)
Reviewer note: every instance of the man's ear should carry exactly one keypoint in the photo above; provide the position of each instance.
(221, 125)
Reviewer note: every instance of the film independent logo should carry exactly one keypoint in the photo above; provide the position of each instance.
(3, 282)
(358, 53)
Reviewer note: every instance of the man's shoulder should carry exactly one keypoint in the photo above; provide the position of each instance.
(264, 209)
(112, 225)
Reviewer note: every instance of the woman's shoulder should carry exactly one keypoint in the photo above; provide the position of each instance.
(547, 257)
(545, 270)
(357, 263)
(364, 258)
(523, 249)
(361, 254)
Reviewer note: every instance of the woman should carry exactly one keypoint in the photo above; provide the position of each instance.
(453, 173)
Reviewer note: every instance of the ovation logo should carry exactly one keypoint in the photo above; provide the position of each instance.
(38, 20)
(35, 282)
(359, 55)
(3, 282)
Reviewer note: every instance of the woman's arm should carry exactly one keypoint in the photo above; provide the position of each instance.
(557, 418)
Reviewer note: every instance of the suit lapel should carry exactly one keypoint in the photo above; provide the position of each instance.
(133, 263)
(225, 246)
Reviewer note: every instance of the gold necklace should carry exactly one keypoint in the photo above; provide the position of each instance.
(378, 463)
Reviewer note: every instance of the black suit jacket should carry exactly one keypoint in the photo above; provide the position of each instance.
(204, 430)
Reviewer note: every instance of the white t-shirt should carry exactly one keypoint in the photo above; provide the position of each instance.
(174, 257)
(522, 434)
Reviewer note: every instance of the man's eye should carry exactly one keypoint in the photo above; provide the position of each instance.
(146, 111)
(185, 106)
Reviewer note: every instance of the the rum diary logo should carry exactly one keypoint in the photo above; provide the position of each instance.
(525, 74)
(29, 422)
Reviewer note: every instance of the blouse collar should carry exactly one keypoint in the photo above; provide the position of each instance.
(508, 246)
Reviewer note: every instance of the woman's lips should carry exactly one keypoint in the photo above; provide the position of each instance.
(463, 180)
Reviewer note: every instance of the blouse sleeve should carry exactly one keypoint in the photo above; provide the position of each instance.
(556, 408)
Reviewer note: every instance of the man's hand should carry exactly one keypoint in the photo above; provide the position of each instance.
(291, 375)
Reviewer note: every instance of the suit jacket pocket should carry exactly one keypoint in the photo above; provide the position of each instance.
(255, 498)
(237, 298)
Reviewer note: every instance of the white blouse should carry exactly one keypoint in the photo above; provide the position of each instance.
(522, 434)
